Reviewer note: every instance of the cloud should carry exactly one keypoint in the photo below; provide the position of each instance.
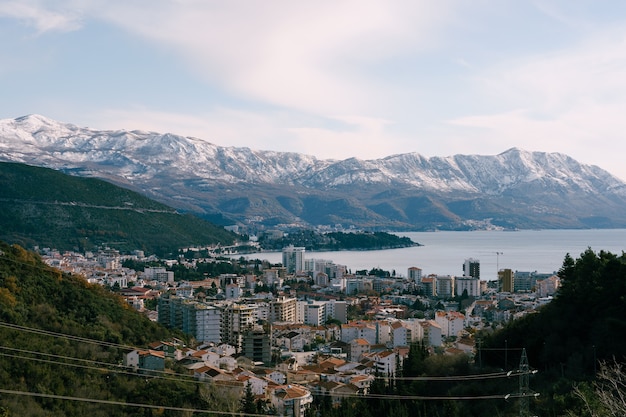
(221, 126)
(570, 101)
(260, 131)
(302, 55)
(44, 18)
(363, 137)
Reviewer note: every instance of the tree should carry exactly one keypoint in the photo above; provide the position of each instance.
(608, 397)
(248, 404)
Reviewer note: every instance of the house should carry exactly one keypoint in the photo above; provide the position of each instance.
(356, 330)
(257, 385)
(224, 349)
(361, 382)
(358, 348)
(290, 400)
(170, 349)
(450, 322)
(207, 372)
(302, 376)
(274, 375)
(331, 362)
(384, 362)
(336, 390)
(466, 344)
(292, 341)
(145, 359)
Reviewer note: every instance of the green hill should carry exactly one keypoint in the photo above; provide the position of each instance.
(61, 337)
(40, 206)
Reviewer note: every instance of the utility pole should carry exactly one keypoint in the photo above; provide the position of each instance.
(524, 388)
(524, 385)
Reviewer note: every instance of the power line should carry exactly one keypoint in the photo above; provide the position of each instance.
(376, 396)
(121, 403)
(108, 344)
(65, 336)
(449, 378)
(120, 369)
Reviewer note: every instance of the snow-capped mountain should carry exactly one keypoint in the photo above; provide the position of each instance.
(515, 189)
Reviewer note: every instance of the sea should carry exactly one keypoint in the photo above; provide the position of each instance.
(444, 253)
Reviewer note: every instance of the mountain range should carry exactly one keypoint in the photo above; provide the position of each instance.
(516, 189)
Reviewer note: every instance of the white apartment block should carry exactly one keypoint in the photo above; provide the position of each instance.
(208, 324)
(324, 266)
(158, 274)
(432, 332)
(400, 334)
(415, 274)
(313, 312)
(548, 286)
(450, 322)
(272, 277)
(365, 331)
(470, 284)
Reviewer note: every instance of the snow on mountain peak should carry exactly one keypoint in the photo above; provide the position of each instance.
(134, 154)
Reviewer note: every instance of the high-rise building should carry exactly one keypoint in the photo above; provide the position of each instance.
(506, 280)
(293, 259)
(429, 287)
(338, 310)
(444, 286)
(283, 309)
(236, 320)
(524, 281)
(415, 274)
(200, 320)
(256, 346)
(314, 313)
(471, 268)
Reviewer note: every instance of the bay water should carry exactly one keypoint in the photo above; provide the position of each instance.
(444, 253)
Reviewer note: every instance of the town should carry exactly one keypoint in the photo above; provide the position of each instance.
(288, 332)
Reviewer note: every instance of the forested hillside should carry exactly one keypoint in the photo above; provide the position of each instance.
(63, 338)
(333, 241)
(568, 339)
(40, 206)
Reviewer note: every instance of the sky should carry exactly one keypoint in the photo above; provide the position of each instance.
(334, 79)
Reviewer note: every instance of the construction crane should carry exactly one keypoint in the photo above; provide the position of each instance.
(498, 262)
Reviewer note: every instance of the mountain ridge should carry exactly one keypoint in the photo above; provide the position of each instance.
(514, 189)
(41, 206)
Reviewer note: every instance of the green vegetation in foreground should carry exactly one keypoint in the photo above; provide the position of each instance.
(571, 336)
(40, 206)
(34, 296)
(334, 241)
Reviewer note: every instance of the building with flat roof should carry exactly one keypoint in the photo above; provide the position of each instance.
(471, 268)
(506, 280)
(293, 259)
